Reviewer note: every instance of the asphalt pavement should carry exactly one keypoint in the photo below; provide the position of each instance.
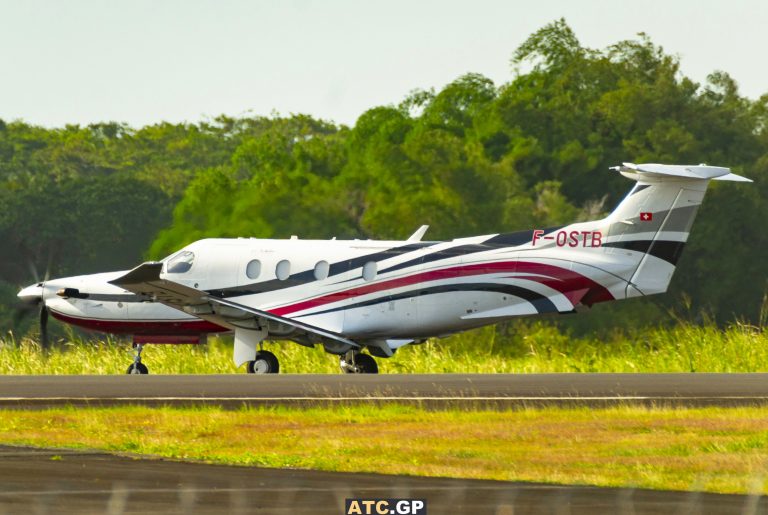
(50, 481)
(440, 390)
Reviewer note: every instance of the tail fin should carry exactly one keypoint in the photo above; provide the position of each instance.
(651, 225)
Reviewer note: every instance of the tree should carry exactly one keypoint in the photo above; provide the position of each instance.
(471, 158)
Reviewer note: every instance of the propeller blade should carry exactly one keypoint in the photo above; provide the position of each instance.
(33, 271)
(48, 267)
(44, 325)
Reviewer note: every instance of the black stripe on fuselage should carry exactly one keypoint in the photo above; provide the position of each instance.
(112, 297)
(308, 276)
(515, 239)
(439, 255)
(542, 303)
(500, 240)
(669, 251)
(358, 262)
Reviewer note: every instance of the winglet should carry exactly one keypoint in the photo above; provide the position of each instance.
(418, 235)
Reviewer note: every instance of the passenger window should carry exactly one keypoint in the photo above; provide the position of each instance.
(321, 270)
(253, 269)
(283, 270)
(369, 271)
(180, 263)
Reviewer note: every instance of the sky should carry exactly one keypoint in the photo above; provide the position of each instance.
(146, 61)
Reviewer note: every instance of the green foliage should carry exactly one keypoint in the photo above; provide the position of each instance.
(471, 158)
(84, 225)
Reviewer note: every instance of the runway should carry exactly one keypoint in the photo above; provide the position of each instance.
(69, 482)
(433, 390)
(35, 481)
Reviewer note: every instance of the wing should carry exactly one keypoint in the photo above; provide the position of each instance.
(145, 280)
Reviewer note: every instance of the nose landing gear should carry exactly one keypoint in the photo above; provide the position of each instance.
(357, 363)
(137, 367)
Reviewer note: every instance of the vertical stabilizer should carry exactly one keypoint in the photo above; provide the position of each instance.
(651, 225)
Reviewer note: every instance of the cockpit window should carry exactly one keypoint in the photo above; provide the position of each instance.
(180, 263)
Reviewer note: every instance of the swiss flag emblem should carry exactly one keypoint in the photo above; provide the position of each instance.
(646, 217)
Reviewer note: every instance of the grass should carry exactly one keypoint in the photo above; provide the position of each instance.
(537, 347)
(711, 449)
(718, 450)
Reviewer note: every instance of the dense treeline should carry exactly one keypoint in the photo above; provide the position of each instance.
(472, 158)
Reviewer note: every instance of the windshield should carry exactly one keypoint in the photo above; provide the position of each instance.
(180, 263)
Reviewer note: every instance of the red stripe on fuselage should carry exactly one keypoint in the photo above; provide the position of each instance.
(571, 284)
(151, 327)
(563, 280)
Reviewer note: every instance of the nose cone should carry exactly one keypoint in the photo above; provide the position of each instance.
(31, 294)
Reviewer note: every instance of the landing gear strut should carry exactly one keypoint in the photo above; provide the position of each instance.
(357, 363)
(265, 363)
(137, 367)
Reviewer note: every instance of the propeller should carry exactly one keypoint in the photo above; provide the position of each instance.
(43, 325)
(33, 296)
(33, 271)
(32, 299)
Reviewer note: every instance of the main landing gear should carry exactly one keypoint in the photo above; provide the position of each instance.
(137, 367)
(357, 363)
(265, 363)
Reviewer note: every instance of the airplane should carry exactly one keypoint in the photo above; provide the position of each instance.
(353, 295)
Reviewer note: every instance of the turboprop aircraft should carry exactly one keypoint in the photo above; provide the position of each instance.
(381, 295)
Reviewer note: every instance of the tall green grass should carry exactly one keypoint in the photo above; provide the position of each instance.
(536, 347)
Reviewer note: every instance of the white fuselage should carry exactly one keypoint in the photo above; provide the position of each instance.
(368, 289)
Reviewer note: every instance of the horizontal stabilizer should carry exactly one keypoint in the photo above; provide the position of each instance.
(732, 177)
(700, 172)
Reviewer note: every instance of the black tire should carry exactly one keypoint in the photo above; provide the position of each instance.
(265, 363)
(366, 364)
(137, 369)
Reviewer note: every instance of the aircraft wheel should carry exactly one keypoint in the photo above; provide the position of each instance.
(265, 363)
(138, 368)
(364, 364)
